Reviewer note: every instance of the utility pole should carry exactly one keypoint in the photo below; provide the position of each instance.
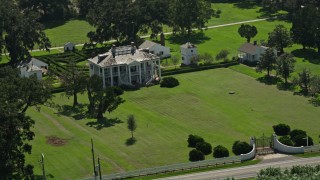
(42, 162)
(99, 168)
(93, 160)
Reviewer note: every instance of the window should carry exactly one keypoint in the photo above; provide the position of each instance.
(100, 70)
(133, 69)
(91, 66)
(192, 51)
(182, 58)
(115, 69)
(161, 52)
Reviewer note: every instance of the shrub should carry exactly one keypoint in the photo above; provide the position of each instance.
(297, 132)
(281, 129)
(241, 147)
(220, 151)
(204, 147)
(223, 54)
(301, 140)
(194, 139)
(286, 140)
(195, 155)
(169, 82)
(117, 90)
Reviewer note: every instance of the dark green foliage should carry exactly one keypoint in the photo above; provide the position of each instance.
(304, 81)
(204, 147)
(169, 82)
(74, 81)
(315, 85)
(195, 155)
(286, 140)
(17, 94)
(194, 139)
(247, 31)
(188, 14)
(296, 132)
(285, 66)
(207, 58)
(267, 61)
(241, 147)
(20, 31)
(301, 140)
(101, 99)
(281, 129)
(117, 90)
(132, 124)
(220, 152)
(279, 38)
(223, 54)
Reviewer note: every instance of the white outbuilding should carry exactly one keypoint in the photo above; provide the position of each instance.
(69, 46)
(188, 51)
(32, 67)
(156, 49)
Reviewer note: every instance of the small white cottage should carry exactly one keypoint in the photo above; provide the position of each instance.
(32, 67)
(69, 46)
(156, 49)
(251, 52)
(188, 51)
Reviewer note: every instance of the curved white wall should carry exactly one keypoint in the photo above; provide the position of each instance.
(251, 154)
(277, 145)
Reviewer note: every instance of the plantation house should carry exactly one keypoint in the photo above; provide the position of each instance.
(126, 65)
(251, 52)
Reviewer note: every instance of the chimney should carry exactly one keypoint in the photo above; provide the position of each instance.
(113, 51)
(133, 48)
(255, 43)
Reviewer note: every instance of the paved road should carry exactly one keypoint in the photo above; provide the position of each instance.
(167, 33)
(246, 171)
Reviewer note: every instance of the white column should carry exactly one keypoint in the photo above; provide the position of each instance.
(152, 65)
(103, 78)
(119, 76)
(145, 72)
(129, 74)
(159, 69)
(140, 81)
(111, 76)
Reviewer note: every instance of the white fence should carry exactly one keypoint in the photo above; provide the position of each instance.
(315, 148)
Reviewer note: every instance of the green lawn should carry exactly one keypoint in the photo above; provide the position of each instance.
(200, 105)
(74, 31)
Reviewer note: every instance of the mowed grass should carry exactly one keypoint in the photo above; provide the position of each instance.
(70, 31)
(201, 105)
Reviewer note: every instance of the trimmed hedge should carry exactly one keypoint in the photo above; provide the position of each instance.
(195, 155)
(220, 152)
(198, 68)
(194, 139)
(204, 147)
(169, 82)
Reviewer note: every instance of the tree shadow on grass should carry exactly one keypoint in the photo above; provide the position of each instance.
(79, 112)
(131, 141)
(269, 80)
(104, 123)
(247, 4)
(285, 86)
(54, 24)
(195, 38)
(310, 55)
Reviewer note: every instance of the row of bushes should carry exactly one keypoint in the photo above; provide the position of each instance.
(203, 148)
(198, 68)
(296, 137)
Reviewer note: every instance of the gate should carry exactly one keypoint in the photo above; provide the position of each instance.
(264, 145)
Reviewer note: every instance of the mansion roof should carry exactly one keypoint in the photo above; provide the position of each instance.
(123, 55)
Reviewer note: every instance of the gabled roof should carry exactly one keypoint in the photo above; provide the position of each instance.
(29, 62)
(71, 43)
(188, 45)
(147, 44)
(250, 48)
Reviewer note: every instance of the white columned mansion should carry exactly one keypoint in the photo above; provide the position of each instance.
(126, 65)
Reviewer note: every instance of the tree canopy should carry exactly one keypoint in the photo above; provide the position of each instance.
(267, 61)
(20, 31)
(279, 38)
(285, 66)
(247, 31)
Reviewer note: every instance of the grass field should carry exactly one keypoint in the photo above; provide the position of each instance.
(200, 105)
(76, 30)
